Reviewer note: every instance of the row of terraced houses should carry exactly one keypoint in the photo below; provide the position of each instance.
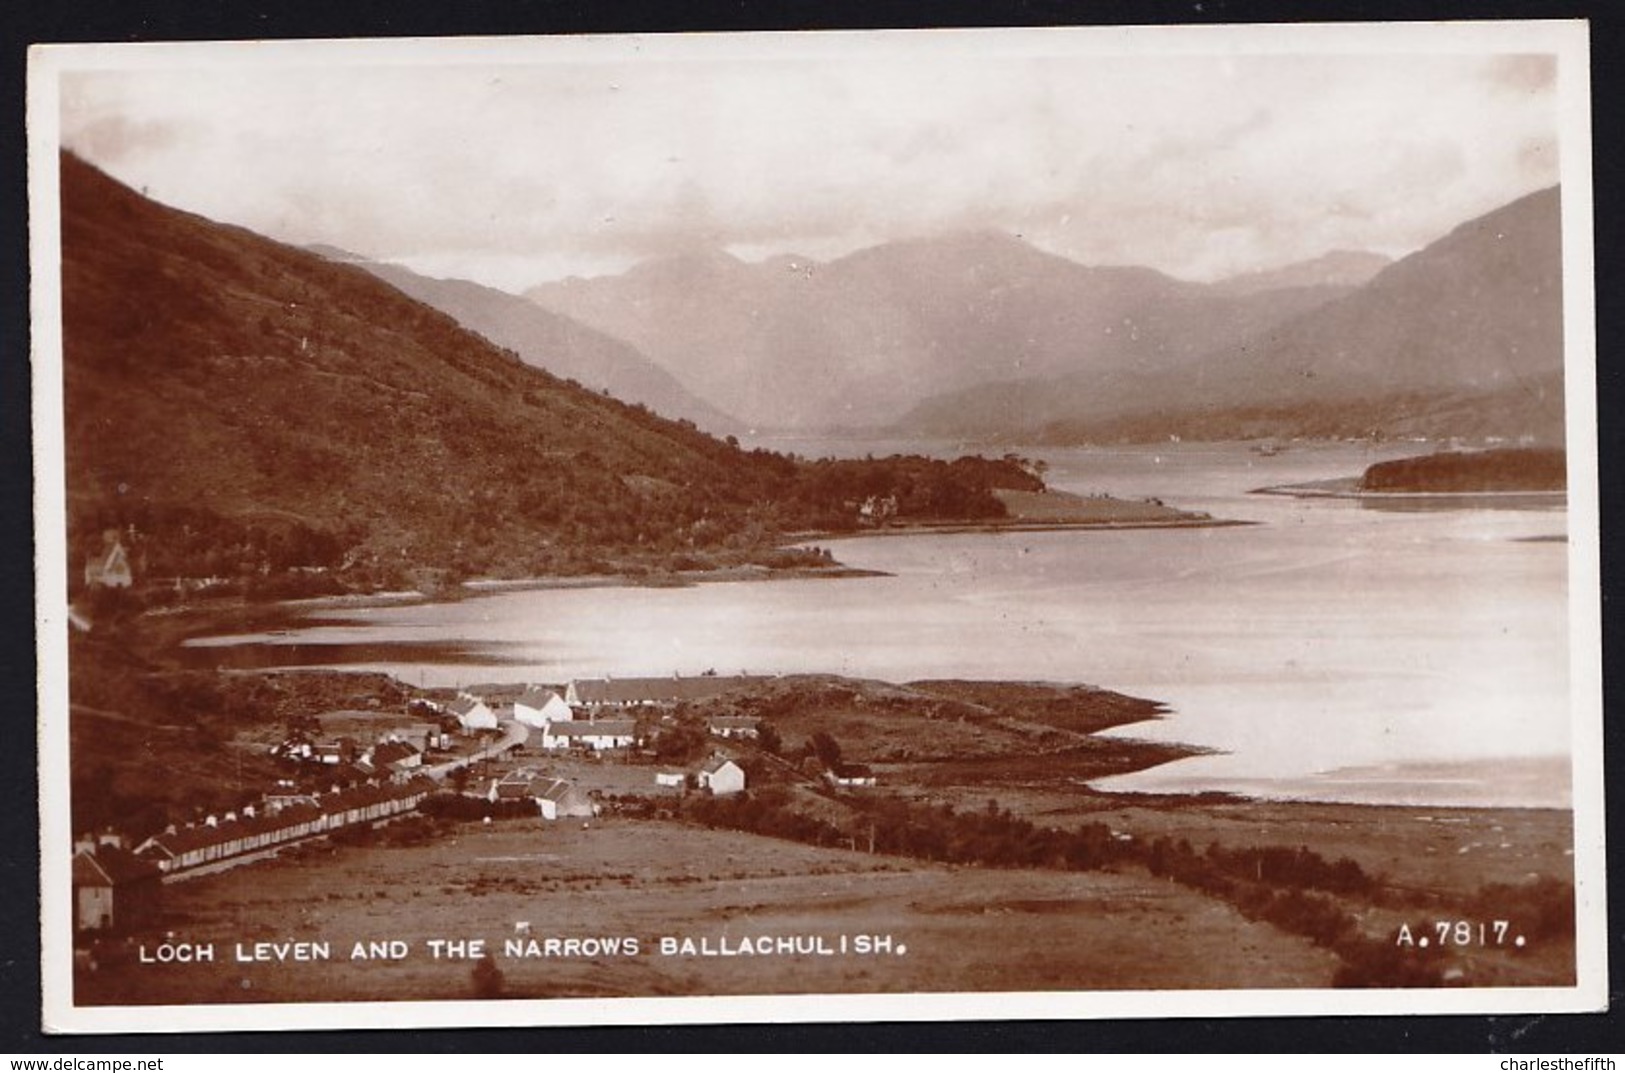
(113, 888)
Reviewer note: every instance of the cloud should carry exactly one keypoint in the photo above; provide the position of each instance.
(1199, 164)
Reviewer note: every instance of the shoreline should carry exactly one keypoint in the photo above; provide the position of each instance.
(1348, 488)
(1019, 526)
(284, 611)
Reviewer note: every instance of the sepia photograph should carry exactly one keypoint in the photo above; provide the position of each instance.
(732, 527)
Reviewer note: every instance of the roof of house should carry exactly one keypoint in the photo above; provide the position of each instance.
(537, 697)
(716, 764)
(657, 690)
(551, 789)
(192, 838)
(593, 728)
(391, 751)
(464, 705)
(110, 866)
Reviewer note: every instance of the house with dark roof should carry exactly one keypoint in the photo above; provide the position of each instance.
(850, 775)
(555, 798)
(396, 756)
(733, 726)
(591, 734)
(514, 786)
(637, 692)
(561, 799)
(113, 889)
(222, 842)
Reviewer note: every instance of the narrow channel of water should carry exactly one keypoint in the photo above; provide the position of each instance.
(1330, 651)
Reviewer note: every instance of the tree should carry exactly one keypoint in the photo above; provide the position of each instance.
(826, 748)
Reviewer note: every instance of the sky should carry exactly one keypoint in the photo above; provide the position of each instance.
(518, 161)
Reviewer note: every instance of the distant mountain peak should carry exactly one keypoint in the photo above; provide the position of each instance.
(708, 259)
(1335, 268)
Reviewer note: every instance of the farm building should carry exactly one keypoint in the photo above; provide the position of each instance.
(722, 776)
(673, 779)
(539, 707)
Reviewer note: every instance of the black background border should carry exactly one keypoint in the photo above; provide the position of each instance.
(186, 20)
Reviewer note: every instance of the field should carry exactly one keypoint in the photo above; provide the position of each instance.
(950, 928)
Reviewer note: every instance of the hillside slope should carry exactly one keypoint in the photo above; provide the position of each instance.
(245, 405)
(548, 341)
(244, 409)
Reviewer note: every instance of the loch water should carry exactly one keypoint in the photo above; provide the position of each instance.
(1327, 651)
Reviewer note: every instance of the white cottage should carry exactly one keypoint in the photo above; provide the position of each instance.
(473, 714)
(538, 707)
(594, 734)
(722, 776)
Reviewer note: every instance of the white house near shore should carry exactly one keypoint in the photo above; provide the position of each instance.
(538, 707)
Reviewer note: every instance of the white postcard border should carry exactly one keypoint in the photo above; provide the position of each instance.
(1567, 39)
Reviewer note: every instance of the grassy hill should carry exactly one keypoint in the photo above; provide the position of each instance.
(251, 408)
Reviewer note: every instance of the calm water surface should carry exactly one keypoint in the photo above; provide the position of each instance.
(1330, 651)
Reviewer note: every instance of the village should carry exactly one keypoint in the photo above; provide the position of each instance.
(555, 754)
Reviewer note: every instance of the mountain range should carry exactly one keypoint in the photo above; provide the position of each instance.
(1461, 338)
(981, 335)
(791, 343)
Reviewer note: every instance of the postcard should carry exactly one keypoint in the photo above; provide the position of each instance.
(719, 528)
